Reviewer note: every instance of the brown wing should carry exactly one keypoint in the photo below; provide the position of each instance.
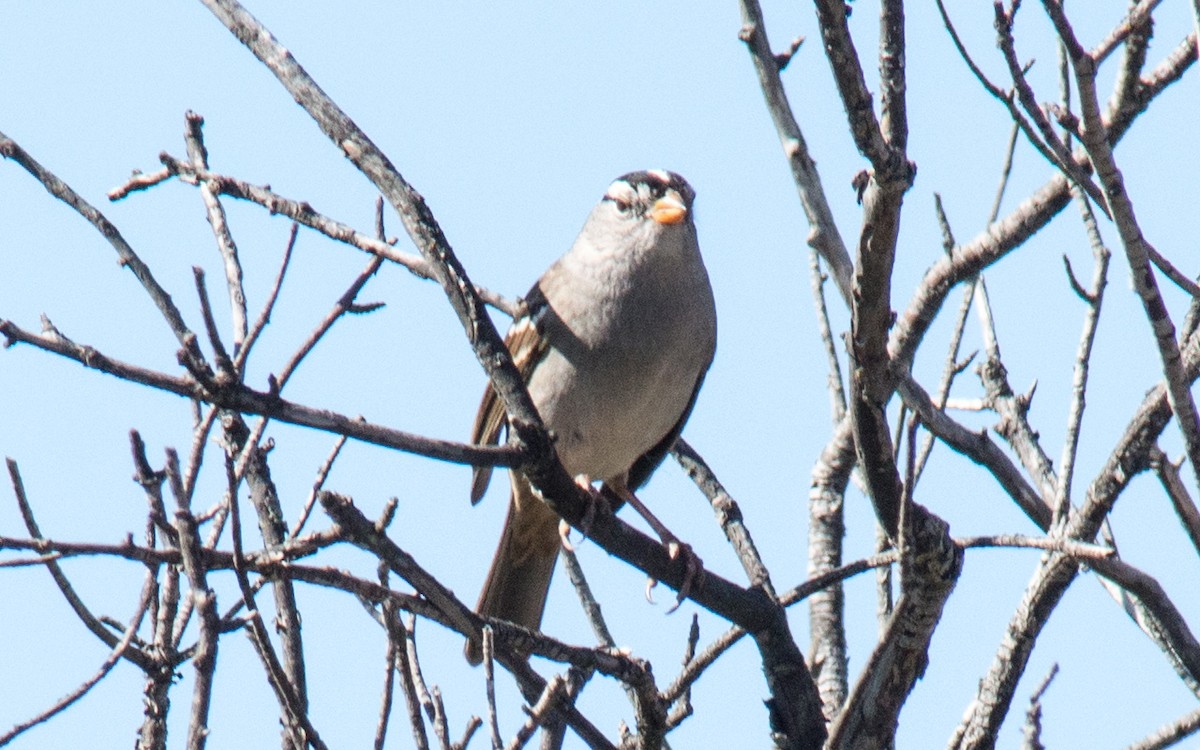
(527, 347)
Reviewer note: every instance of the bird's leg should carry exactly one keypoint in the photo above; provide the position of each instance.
(595, 500)
(694, 567)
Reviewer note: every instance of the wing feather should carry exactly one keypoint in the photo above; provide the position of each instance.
(527, 347)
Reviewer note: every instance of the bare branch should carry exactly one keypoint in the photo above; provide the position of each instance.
(430, 702)
(344, 304)
(302, 213)
(827, 528)
(1026, 220)
(892, 73)
(118, 651)
(1148, 605)
(729, 515)
(823, 235)
(194, 138)
(318, 484)
(204, 659)
(951, 368)
(1032, 728)
(248, 401)
(1099, 148)
(1138, 17)
(591, 608)
(60, 579)
(683, 704)
(1128, 458)
(870, 716)
(1094, 300)
(1180, 729)
(220, 356)
(1014, 424)
(389, 677)
(1177, 491)
(400, 633)
(525, 425)
(125, 253)
(979, 448)
(555, 689)
(139, 181)
(264, 317)
(1049, 145)
(845, 63)
(837, 390)
(1171, 272)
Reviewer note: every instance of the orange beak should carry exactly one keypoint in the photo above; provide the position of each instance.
(668, 209)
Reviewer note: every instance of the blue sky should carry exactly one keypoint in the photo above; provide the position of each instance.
(511, 122)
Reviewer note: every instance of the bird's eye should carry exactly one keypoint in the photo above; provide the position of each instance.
(622, 206)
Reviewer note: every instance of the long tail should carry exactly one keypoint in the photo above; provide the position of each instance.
(519, 579)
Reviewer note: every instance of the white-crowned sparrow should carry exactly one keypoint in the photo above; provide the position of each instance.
(614, 344)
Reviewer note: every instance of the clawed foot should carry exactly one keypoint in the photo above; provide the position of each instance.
(693, 574)
(694, 568)
(595, 500)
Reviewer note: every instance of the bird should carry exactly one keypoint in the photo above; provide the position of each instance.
(613, 343)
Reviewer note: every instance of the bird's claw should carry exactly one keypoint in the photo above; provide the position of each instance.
(564, 536)
(595, 500)
(693, 574)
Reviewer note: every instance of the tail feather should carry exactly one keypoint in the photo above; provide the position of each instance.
(519, 579)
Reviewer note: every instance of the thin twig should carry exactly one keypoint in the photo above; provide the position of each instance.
(683, 704)
(220, 356)
(318, 484)
(194, 138)
(1136, 248)
(245, 400)
(1049, 145)
(111, 661)
(951, 369)
(556, 687)
(343, 305)
(1069, 548)
(1154, 612)
(389, 615)
(1005, 173)
(856, 97)
(587, 600)
(60, 579)
(128, 258)
(430, 701)
(1094, 300)
(489, 681)
(204, 659)
(1171, 272)
(837, 390)
(1012, 408)
(264, 317)
(978, 446)
(1032, 728)
(291, 698)
(300, 212)
(1174, 732)
(196, 456)
(1139, 15)
(1177, 491)
(400, 632)
(728, 514)
(823, 232)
